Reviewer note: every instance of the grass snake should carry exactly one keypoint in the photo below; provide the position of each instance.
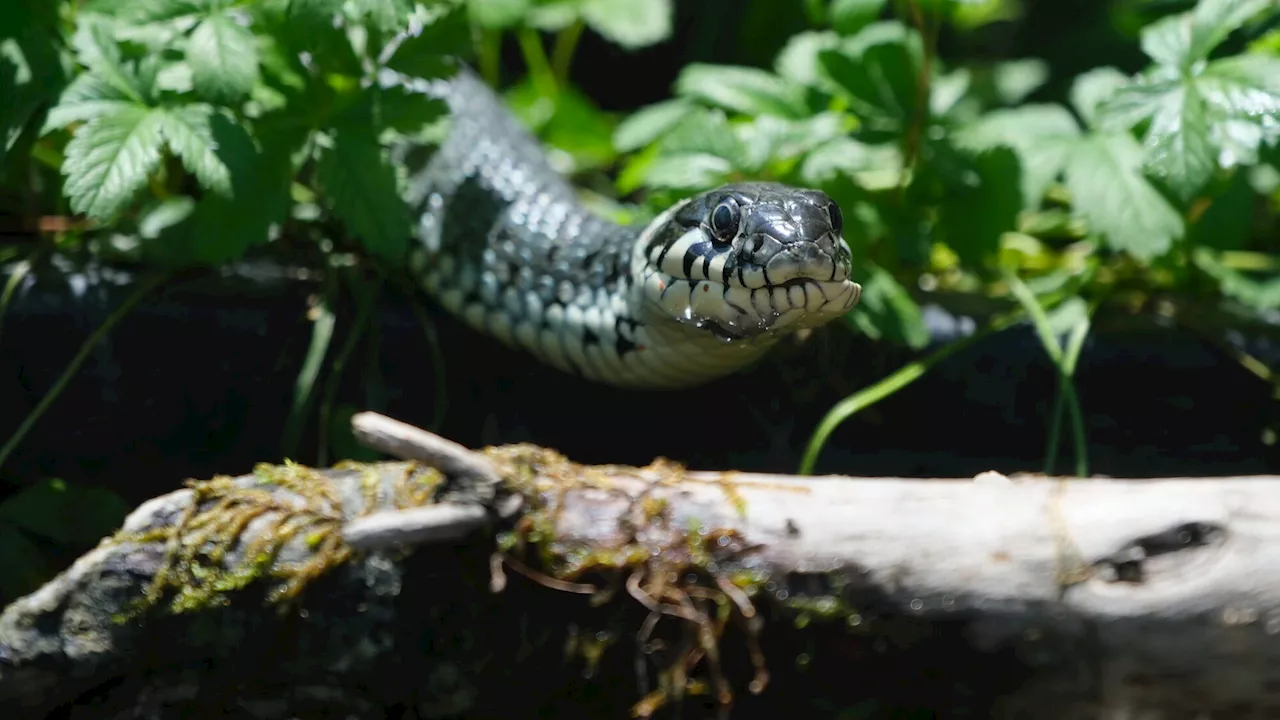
(705, 288)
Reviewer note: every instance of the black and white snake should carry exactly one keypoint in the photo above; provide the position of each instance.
(695, 294)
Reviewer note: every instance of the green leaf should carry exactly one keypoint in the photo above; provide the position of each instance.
(25, 568)
(1214, 20)
(96, 49)
(87, 97)
(649, 123)
(873, 167)
(1016, 79)
(1093, 88)
(389, 16)
(149, 11)
(30, 73)
(630, 23)
(406, 111)
(314, 12)
(773, 141)
(1260, 293)
(1042, 136)
(69, 515)
(797, 62)
(708, 132)
(221, 228)
(878, 72)
(110, 159)
(498, 14)
(747, 90)
(359, 186)
(850, 16)
(687, 171)
(573, 124)
(1179, 150)
(1104, 177)
(428, 53)
(224, 59)
(981, 204)
(189, 134)
(887, 311)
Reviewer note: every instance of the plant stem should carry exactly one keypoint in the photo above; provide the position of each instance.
(358, 329)
(562, 52)
(535, 58)
(873, 394)
(81, 355)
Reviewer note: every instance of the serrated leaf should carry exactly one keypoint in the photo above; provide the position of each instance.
(747, 90)
(708, 132)
(981, 204)
(687, 171)
(87, 97)
(649, 123)
(188, 133)
(428, 49)
(1093, 88)
(387, 15)
(223, 56)
(110, 158)
(1104, 177)
(886, 311)
(221, 228)
(797, 62)
(1214, 20)
(630, 23)
(1042, 136)
(359, 186)
(873, 167)
(498, 14)
(850, 16)
(406, 111)
(1178, 145)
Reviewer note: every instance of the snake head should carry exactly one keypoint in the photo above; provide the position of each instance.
(749, 260)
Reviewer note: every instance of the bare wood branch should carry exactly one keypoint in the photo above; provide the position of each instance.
(1118, 598)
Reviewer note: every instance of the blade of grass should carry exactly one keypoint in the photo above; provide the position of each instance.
(1066, 394)
(304, 385)
(903, 377)
(72, 367)
(367, 299)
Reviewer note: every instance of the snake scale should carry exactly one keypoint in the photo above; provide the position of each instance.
(693, 295)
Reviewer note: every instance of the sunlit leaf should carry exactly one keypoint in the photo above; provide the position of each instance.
(1213, 20)
(1042, 135)
(630, 23)
(219, 227)
(498, 13)
(1093, 88)
(649, 123)
(187, 131)
(742, 89)
(797, 62)
(687, 171)
(223, 56)
(708, 132)
(87, 97)
(110, 159)
(1104, 177)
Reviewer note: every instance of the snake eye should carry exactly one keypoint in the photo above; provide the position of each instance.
(837, 219)
(724, 221)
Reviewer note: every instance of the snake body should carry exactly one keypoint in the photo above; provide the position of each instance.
(697, 293)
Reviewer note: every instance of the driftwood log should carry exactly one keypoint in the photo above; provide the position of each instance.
(511, 582)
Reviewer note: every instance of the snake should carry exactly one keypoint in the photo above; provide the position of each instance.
(504, 242)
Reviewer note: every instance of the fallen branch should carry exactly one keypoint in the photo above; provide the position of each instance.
(1044, 598)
